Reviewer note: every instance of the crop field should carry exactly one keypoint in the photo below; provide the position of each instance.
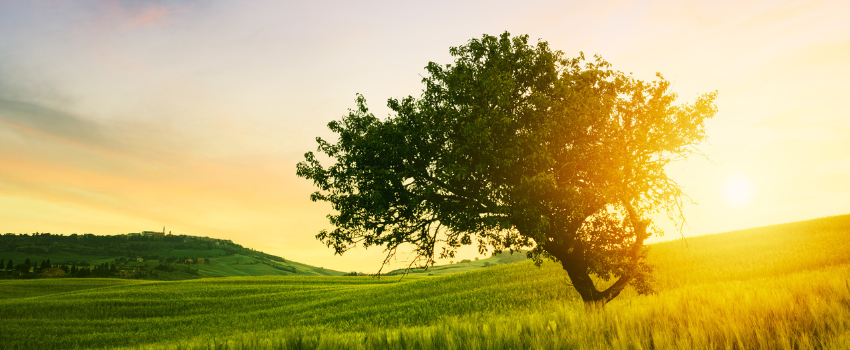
(777, 287)
(240, 265)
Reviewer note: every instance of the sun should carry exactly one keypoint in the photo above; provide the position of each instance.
(738, 191)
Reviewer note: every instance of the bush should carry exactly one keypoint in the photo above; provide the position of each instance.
(165, 267)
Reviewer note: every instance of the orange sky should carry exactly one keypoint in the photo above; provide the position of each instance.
(119, 117)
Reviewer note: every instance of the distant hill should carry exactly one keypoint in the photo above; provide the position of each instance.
(147, 255)
(465, 265)
(739, 245)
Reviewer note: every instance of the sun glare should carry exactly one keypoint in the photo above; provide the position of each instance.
(738, 191)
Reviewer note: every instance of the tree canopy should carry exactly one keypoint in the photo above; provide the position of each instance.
(514, 146)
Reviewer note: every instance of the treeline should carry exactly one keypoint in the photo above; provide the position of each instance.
(286, 268)
(148, 247)
(118, 268)
(46, 268)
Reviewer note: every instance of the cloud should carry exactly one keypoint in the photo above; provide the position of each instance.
(152, 16)
(49, 133)
(139, 13)
(36, 120)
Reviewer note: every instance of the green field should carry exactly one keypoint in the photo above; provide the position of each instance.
(240, 265)
(465, 265)
(777, 287)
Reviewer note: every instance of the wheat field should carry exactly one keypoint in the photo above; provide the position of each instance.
(777, 287)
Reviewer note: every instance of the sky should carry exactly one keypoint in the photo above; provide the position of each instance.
(125, 116)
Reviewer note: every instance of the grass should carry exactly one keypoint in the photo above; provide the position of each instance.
(18, 289)
(240, 265)
(464, 265)
(777, 287)
(782, 313)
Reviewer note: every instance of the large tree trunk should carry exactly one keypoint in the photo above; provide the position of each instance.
(576, 268)
(587, 289)
(574, 261)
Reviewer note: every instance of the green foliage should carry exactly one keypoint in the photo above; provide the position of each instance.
(22, 268)
(513, 146)
(165, 267)
(70, 249)
(291, 269)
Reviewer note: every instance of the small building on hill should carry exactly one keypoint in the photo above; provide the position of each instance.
(154, 233)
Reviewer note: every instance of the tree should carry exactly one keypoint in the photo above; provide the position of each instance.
(83, 272)
(514, 146)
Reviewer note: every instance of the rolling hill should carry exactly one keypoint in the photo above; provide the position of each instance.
(464, 265)
(781, 286)
(151, 255)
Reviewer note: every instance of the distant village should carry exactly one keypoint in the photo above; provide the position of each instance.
(149, 233)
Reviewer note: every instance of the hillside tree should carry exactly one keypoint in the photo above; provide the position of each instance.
(514, 146)
(22, 268)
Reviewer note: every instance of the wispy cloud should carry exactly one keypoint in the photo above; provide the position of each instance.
(152, 16)
(140, 13)
(36, 120)
(113, 147)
